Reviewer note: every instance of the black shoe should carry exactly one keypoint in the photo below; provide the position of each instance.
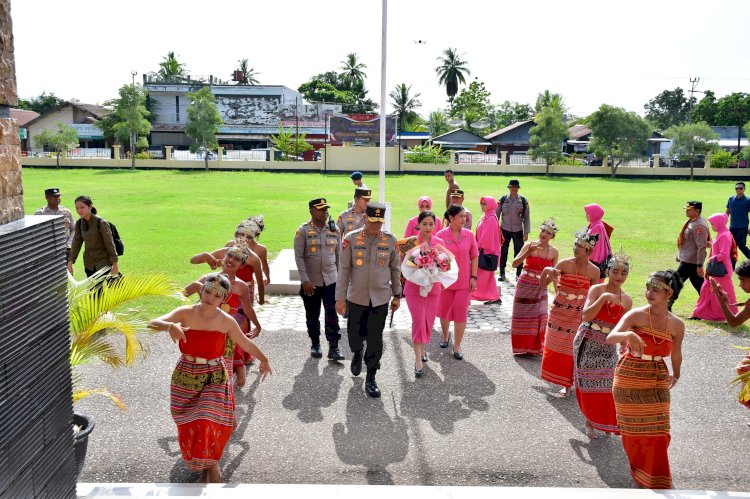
(458, 355)
(494, 302)
(501, 278)
(333, 351)
(418, 372)
(357, 363)
(371, 386)
(315, 351)
(424, 357)
(444, 343)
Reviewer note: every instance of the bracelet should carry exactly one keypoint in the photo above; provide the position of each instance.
(473, 277)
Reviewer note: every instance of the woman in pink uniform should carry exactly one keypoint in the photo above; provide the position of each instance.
(708, 307)
(488, 242)
(455, 299)
(425, 204)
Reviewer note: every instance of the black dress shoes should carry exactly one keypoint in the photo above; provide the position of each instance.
(357, 363)
(315, 351)
(371, 386)
(333, 351)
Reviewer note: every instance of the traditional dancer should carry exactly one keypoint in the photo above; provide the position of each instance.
(256, 226)
(425, 204)
(572, 278)
(642, 380)
(595, 359)
(456, 298)
(708, 307)
(488, 242)
(529, 319)
(200, 398)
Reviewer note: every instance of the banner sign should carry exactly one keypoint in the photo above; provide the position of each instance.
(362, 129)
(86, 131)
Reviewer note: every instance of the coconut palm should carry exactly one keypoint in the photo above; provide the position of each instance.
(548, 99)
(248, 74)
(352, 71)
(451, 71)
(98, 318)
(439, 123)
(170, 69)
(404, 104)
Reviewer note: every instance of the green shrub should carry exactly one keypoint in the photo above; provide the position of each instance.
(570, 161)
(428, 153)
(723, 159)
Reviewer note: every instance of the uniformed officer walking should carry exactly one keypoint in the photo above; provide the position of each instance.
(317, 247)
(691, 245)
(54, 208)
(354, 217)
(368, 277)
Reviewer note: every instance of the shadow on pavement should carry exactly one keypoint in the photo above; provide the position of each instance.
(566, 406)
(245, 406)
(606, 454)
(179, 472)
(313, 390)
(369, 438)
(532, 364)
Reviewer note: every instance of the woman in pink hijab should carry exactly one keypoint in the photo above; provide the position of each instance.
(425, 204)
(488, 241)
(603, 249)
(708, 307)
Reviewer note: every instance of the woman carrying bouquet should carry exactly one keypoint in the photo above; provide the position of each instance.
(455, 299)
(422, 264)
(708, 307)
(424, 204)
(529, 319)
(642, 381)
(488, 242)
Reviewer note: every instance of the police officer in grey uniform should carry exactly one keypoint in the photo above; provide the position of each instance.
(515, 222)
(369, 276)
(317, 248)
(354, 217)
(691, 246)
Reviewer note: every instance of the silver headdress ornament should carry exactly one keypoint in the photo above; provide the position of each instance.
(213, 284)
(550, 225)
(586, 240)
(252, 226)
(240, 250)
(244, 229)
(257, 220)
(619, 261)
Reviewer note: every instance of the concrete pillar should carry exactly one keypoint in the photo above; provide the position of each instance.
(220, 153)
(708, 159)
(168, 153)
(503, 157)
(11, 190)
(655, 161)
(116, 151)
(271, 153)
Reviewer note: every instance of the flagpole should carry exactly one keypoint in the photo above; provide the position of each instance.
(384, 37)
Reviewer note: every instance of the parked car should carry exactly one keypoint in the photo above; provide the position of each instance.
(683, 161)
(597, 161)
(662, 162)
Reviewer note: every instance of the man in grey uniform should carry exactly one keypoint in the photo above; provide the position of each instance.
(515, 222)
(354, 217)
(691, 246)
(369, 276)
(317, 250)
(54, 208)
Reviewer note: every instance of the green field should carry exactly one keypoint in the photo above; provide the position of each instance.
(164, 217)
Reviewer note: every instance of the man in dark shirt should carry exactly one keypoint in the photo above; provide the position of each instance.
(738, 207)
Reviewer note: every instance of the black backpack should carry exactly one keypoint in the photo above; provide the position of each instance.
(119, 245)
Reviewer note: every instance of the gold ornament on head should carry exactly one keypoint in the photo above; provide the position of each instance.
(550, 225)
(619, 261)
(656, 283)
(214, 285)
(239, 250)
(243, 229)
(586, 240)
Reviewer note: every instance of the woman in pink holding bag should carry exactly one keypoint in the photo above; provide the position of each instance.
(708, 307)
(489, 242)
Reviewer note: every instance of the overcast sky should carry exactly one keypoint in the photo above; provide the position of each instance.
(592, 52)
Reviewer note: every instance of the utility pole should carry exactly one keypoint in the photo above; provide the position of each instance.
(133, 73)
(693, 83)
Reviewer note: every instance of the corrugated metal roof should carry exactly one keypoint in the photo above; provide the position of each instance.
(577, 131)
(507, 129)
(22, 116)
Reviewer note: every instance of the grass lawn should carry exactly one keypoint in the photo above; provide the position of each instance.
(164, 217)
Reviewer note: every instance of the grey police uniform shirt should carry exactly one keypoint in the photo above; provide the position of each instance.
(316, 253)
(512, 215)
(369, 272)
(695, 241)
(67, 220)
(349, 221)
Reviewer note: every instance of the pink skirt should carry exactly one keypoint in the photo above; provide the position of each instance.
(423, 312)
(454, 305)
(486, 286)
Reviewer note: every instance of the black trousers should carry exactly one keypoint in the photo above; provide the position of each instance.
(327, 296)
(740, 238)
(688, 271)
(366, 324)
(517, 238)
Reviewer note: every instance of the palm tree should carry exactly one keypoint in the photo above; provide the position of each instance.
(352, 71)
(94, 324)
(170, 69)
(404, 104)
(248, 74)
(548, 99)
(451, 71)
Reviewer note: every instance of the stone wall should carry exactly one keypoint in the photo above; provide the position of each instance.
(11, 191)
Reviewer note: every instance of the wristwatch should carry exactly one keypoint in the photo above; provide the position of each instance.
(473, 277)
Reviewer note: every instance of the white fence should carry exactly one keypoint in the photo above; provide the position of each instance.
(256, 155)
(474, 158)
(523, 159)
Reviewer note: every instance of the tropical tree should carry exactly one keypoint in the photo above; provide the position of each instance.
(547, 135)
(203, 121)
(99, 317)
(472, 105)
(428, 153)
(691, 139)
(669, 108)
(41, 104)
(128, 122)
(64, 138)
(417, 124)
(548, 99)
(618, 133)
(290, 145)
(404, 104)
(352, 70)
(170, 69)
(439, 123)
(734, 110)
(451, 71)
(247, 74)
(507, 113)
(706, 109)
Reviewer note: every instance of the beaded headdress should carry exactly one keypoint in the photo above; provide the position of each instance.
(655, 282)
(550, 225)
(586, 240)
(214, 284)
(619, 261)
(239, 250)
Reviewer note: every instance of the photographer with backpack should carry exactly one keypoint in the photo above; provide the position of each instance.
(99, 248)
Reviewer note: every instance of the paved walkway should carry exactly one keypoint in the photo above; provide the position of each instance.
(485, 421)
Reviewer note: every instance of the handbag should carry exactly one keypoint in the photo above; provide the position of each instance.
(715, 269)
(487, 262)
(603, 266)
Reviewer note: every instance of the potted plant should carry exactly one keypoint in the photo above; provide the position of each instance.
(98, 319)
